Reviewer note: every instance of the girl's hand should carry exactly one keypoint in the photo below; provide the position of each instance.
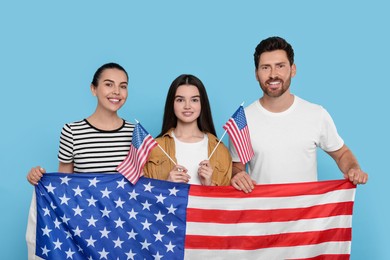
(179, 174)
(205, 173)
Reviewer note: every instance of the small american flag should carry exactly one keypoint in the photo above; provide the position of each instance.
(238, 131)
(142, 144)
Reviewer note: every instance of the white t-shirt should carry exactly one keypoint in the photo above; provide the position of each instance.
(190, 155)
(285, 143)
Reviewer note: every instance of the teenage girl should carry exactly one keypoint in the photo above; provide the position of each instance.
(188, 137)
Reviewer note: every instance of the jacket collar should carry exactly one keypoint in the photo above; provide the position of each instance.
(209, 135)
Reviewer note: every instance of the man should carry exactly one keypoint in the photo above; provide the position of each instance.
(286, 130)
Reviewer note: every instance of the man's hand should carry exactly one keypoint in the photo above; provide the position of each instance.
(242, 181)
(348, 164)
(356, 176)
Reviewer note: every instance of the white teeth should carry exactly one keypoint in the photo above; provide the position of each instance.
(114, 100)
(274, 83)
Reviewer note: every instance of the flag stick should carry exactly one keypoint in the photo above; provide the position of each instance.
(166, 154)
(162, 149)
(215, 148)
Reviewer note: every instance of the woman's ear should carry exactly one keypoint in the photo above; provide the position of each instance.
(93, 90)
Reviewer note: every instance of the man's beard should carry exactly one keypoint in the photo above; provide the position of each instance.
(276, 93)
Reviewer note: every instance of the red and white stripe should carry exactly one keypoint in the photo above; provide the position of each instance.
(131, 167)
(240, 139)
(277, 221)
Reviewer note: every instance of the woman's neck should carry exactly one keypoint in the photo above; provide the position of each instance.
(105, 121)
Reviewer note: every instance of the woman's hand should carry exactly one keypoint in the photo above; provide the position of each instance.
(205, 173)
(35, 174)
(179, 174)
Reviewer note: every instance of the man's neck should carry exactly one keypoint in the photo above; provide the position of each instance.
(277, 104)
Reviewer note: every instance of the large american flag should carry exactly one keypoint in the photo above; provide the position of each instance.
(142, 144)
(103, 216)
(238, 131)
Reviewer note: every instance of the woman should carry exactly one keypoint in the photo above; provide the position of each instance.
(101, 141)
(188, 137)
(95, 144)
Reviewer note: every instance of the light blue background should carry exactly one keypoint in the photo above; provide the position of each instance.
(50, 49)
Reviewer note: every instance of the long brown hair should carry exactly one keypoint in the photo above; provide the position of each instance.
(205, 119)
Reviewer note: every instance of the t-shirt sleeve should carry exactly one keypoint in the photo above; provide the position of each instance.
(330, 140)
(66, 151)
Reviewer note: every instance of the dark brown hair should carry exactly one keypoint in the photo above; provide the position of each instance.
(205, 119)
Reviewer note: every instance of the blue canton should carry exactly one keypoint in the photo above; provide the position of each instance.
(103, 216)
(139, 135)
(239, 118)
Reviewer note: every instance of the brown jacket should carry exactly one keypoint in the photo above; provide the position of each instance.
(159, 165)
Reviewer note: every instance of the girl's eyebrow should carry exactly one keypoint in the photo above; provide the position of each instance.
(198, 96)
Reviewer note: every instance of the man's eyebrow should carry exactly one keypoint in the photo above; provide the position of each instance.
(268, 64)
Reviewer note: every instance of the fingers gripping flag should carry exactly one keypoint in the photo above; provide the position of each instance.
(238, 131)
(142, 144)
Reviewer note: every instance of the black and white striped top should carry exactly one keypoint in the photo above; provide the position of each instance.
(93, 150)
